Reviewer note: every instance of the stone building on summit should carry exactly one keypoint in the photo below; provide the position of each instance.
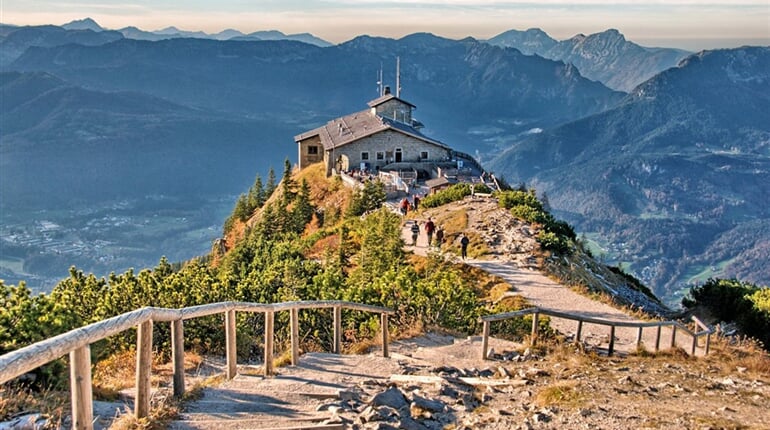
(385, 137)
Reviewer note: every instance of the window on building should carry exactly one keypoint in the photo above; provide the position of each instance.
(424, 155)
(364, 156)
(380, 155)
(312, 150)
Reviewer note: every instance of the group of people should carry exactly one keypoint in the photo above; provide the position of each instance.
(405, 206)
(431, 229)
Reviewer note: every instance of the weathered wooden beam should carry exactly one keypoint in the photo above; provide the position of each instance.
(535, 328)
(177, 355)
(639, 337)
(385, 334)
(337, 329)
(611, 348)
(294, 336)
(657, 338)
(708, 344)
(694, 344)
(81, 389)
(485, 341)
(579, 330)
(143, 369)
(673, 336)
(269, 318)
(230, 345)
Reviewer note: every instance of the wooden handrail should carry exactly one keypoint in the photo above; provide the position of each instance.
(675, 326)
(77, 343)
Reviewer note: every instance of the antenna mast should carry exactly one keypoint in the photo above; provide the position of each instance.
(398, 77)
(380, 88)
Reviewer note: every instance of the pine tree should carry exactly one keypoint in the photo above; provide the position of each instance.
(270, 186)
(287, 183)
(256, 195)
(303, 209)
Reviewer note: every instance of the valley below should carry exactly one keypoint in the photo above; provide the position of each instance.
(39, 247)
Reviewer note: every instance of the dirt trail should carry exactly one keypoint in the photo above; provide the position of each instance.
(543, 292)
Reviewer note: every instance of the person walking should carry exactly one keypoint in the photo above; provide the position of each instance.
(416, 202)
(415, 232)
(439, 237)
(464, 241)
(429, 229)
(404, 206)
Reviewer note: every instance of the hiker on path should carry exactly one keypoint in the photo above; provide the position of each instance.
(404, 206)
(464, 246)
(416, 202)
(429, 229)
(415, 232)
(439, 237)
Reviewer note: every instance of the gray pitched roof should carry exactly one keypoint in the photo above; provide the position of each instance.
(350, 128)
(382, 99)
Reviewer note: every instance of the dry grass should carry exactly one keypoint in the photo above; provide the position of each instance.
(15, 401)
(560, 393)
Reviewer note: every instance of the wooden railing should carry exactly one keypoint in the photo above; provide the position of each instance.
(536, 312)
(77, 343)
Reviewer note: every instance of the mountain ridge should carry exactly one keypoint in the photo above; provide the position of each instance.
(606, 57)
(680, 162)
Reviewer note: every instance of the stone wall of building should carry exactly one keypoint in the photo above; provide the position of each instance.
(383, 148)
(310, 151)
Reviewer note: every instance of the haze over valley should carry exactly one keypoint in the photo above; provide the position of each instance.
(120, 146)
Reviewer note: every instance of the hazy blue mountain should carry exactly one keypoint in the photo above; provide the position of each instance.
(19, 39)
(138, 34)
(175, 32)
(529, 42)
(121, 145)
(606, 57)
(277, 35)
(227, 34)
(472, 94)
(83, 24)
(673, 174)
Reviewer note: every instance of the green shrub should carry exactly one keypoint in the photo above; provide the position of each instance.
(451, 194)
(731, 300)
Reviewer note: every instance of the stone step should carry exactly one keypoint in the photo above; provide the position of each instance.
(245, 421)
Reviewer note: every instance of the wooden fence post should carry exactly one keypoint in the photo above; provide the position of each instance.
(143, 369)
(230, 345)
(673, 336)
(535, 328)
(657, 338)
(337, 329)
(269, 319)
(384, 326)
(485, 341)
(694, 344)
(611, 348)
(708, 344)
(80, 389)
(579, 330)
(639, 337)
(177, 356)
(294, 336)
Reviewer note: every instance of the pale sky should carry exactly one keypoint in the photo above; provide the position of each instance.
(689, 24)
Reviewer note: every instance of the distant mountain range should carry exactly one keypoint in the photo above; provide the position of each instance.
(469, 93)
(678, 173)
(606, 57)
(670, 176)
(173, 33)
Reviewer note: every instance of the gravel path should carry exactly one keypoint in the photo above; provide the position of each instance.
(545, 293)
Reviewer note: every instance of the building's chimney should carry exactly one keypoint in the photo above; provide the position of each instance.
(387, 89)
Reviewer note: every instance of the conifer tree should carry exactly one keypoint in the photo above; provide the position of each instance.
(270, 186)
(287, 183)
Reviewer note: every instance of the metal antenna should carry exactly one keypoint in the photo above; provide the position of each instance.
(398, 77)
(380, 87)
